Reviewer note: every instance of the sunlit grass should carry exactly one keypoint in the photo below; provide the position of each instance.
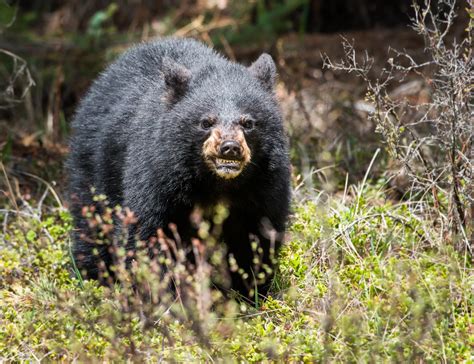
(360, 279)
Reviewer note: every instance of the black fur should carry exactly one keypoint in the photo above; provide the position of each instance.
(137, 139)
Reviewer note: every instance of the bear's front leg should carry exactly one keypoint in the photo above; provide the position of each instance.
(251, 249)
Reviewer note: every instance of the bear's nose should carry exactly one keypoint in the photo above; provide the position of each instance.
(230, 148)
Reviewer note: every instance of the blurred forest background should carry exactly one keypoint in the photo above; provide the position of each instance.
(377, 101)
(52, 50)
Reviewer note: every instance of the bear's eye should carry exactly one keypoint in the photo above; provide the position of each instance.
(247, 124)
(206, 124)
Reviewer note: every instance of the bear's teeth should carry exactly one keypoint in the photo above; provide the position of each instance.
(227, 161)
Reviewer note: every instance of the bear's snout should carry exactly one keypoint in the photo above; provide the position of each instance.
(231, 149)
(226, 152)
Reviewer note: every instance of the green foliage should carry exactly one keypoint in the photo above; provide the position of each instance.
(7, 14)
(6, 151)
(271, 19)
(97, 23)
(360, 279)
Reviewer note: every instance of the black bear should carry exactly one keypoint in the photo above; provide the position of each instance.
(172, 125)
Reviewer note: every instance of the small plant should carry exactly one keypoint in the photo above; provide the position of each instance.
(15, 79)
(431, 138)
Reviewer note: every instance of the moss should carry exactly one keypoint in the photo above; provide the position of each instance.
(366, 281)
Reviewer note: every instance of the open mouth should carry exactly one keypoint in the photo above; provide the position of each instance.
(228, 168)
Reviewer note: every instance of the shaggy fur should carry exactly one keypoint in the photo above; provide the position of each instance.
(138, 138)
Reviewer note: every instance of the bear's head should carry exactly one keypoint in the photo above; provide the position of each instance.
(230, 110)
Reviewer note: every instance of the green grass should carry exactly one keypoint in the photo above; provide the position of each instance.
(361, 279)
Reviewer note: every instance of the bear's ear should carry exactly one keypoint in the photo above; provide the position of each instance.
(176, 78)
(264, 70)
